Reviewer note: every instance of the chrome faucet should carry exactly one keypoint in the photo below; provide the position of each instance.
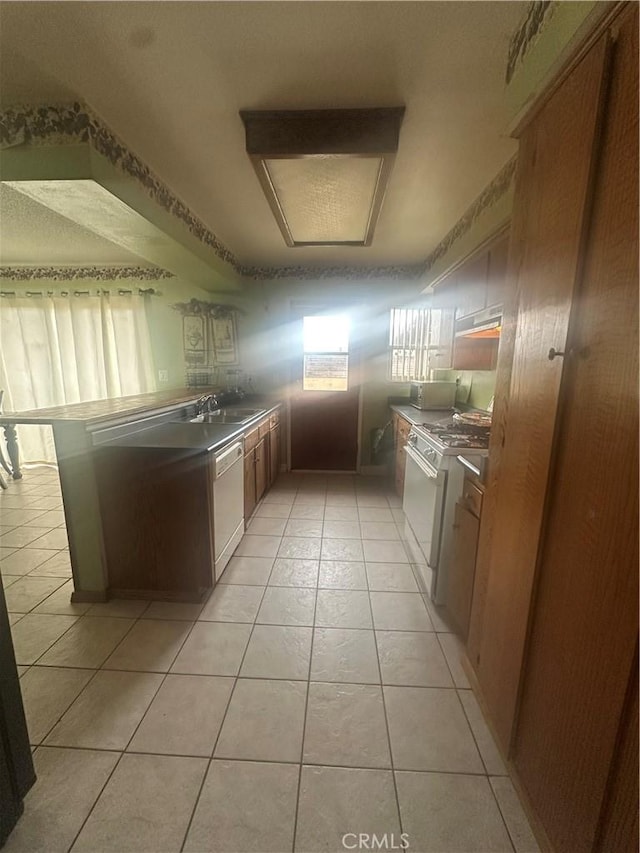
(206, 403)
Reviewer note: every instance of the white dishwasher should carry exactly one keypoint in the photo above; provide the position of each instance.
(228, 504)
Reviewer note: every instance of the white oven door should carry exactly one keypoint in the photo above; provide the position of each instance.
(423, 503)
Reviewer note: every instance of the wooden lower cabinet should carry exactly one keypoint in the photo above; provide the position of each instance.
(250, 500)
(401, 430)
(462, 569)
(262, 469)
(261, 461)
(274, 453)
(157, 522)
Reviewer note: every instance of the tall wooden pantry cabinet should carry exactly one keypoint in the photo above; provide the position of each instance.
(554, 625)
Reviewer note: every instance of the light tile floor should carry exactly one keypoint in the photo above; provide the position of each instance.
(317, 693)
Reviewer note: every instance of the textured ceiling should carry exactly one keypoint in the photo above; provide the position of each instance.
(33, 234)
(170, 78)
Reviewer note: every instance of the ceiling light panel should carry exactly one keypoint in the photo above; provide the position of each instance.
(324, 172)
(325, 199)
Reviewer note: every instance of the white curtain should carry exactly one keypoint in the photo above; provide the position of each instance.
(56, 350)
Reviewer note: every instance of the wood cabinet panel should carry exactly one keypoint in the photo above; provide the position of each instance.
(401, 431)
(251, 439)
(552, 193)
(156, 518)
(497, 273)
(471, 285)
(474, 354)
(463, 566)
(274, 453)
(250, 500)
(261, 465)
(584, 626)
(618, 830)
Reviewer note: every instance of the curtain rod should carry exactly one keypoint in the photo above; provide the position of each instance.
(148, 291)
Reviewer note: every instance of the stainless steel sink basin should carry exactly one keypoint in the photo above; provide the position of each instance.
(227, 416)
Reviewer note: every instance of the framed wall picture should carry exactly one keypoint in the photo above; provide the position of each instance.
(225, 339)
(194, 337)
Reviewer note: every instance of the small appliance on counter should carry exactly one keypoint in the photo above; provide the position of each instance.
(432, 395)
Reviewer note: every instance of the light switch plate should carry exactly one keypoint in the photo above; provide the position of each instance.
(163, 376)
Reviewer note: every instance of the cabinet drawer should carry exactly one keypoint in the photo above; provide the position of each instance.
(274, 419)
(472, 498)
(251, 439)
(263, 428)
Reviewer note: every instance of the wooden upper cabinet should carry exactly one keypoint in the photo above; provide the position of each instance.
(479, 282)
(497, 273)
(471, 285)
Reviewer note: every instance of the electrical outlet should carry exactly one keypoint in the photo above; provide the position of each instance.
(163, 376)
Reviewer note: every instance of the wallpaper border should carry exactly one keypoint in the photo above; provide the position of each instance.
(67, 273)
(77, 123)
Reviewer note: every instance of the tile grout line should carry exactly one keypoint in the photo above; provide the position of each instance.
(224, 717)
(500, 812)
(123, 751)
(386, 718)
(288, 762)
(304, 719)
(486, 774)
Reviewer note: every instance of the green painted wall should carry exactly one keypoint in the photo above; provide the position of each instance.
(165, 324)
(565, 26)
(476, 387)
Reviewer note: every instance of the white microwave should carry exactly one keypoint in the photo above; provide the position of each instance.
(432, 395)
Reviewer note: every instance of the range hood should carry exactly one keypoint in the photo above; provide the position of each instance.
(483, 325)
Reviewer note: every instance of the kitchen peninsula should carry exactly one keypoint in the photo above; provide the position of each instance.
(137, 472)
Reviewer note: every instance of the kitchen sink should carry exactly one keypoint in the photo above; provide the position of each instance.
(227, 416)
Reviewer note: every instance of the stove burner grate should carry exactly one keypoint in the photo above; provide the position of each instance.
(455, 434)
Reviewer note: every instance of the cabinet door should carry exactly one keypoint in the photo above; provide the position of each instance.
(274, 453)
(249, 484)
(553, 190)
(472, 286)
(403, 429)
(497, 274)
(261, 468)
(462, 568)
(584, 626)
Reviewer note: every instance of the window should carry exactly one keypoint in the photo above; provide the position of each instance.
(326, 353)
(419, 340)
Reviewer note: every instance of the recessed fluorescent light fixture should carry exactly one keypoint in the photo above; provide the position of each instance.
(324, 172)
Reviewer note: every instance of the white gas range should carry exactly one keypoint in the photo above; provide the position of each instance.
(434, 476)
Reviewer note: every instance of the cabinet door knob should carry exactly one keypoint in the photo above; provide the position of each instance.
(553, 352)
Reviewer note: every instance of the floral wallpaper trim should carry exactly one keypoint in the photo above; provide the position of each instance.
(49, 124)
(325, 273)
(73, 123)
(489, 196)
(538, 13)
(72, 273)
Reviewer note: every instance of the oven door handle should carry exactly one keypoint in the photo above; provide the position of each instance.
(421, 462)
